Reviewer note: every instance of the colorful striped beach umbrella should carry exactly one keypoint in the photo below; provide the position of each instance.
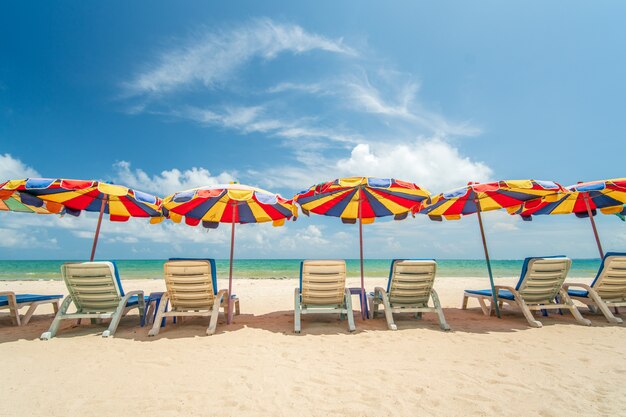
(583, 200)
(75, 196)
(362, 199)
(477, 198)
(229, 203)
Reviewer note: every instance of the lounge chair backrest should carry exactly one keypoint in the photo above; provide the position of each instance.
(411, 282)
(213, 268)
(610, 283)
(93, 286)
(542, 279)
(189, 284)
(323, 282)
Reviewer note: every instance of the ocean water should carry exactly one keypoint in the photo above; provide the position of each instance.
(286, 268)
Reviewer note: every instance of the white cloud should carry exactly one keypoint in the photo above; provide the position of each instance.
(313, 88)
(18, 239)
(430, 163)
(13, 168)
(212, 58)
(168, 181)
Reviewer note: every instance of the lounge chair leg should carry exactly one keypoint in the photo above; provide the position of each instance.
(528, 314)
(572, 307)
(592, 309)
(54, 327)
(13, 310)
(117, 316)
(486, 310)
(55, 306)
(616, 310)
(156, 325)
(418, 316)
(348, 302)
(142, 310)
(214, 314)
(442, 319)
(388, 314)
(297, 312)
(237, 311)
(464, 304)
(29, 314)
(373, 307)
(604, 308)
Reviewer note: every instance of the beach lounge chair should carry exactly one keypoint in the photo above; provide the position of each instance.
(409, 288)
(13, 302)
(96, 291)
(323, 290)
(192, 291)
(608, 289)
(540, 283)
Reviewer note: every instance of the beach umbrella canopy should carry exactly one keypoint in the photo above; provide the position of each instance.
(74, 196)
(228, 203)
(480, 197)
(583, 200)
(362, 199)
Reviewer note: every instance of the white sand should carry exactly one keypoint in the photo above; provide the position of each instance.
(258, 366)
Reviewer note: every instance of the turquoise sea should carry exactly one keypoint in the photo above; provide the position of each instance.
(285, 268)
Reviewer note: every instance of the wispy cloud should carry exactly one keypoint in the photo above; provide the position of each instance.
(212, 58)
(254, 119)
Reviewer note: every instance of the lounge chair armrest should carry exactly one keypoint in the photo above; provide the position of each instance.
(7, 293)
(138, 293)
(297, 291)
(379, 291)
(577, 285)
(508, 288)
(221, 294)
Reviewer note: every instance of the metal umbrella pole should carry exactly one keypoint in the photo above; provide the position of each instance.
(482, 234)
(593, 224)
(95, 239)
(230, 273)
(361, 255)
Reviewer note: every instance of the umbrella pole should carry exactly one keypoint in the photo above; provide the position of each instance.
(482, 234)
(95, 238)
(361, 255)
(593, 225)
(230, 272)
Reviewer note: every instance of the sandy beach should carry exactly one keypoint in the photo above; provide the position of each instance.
(258, 366)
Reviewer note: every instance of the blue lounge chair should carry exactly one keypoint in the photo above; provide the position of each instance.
(13, 302)
(96, 290)
(409, 289)
(608, 289)
(540, 283)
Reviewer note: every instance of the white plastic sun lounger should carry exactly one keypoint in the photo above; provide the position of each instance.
(607, 290)
(323, 290)
(192, 291)
(540, 283)
(409, 289)
(96, 291)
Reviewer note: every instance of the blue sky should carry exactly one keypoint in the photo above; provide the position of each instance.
(163, 97)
